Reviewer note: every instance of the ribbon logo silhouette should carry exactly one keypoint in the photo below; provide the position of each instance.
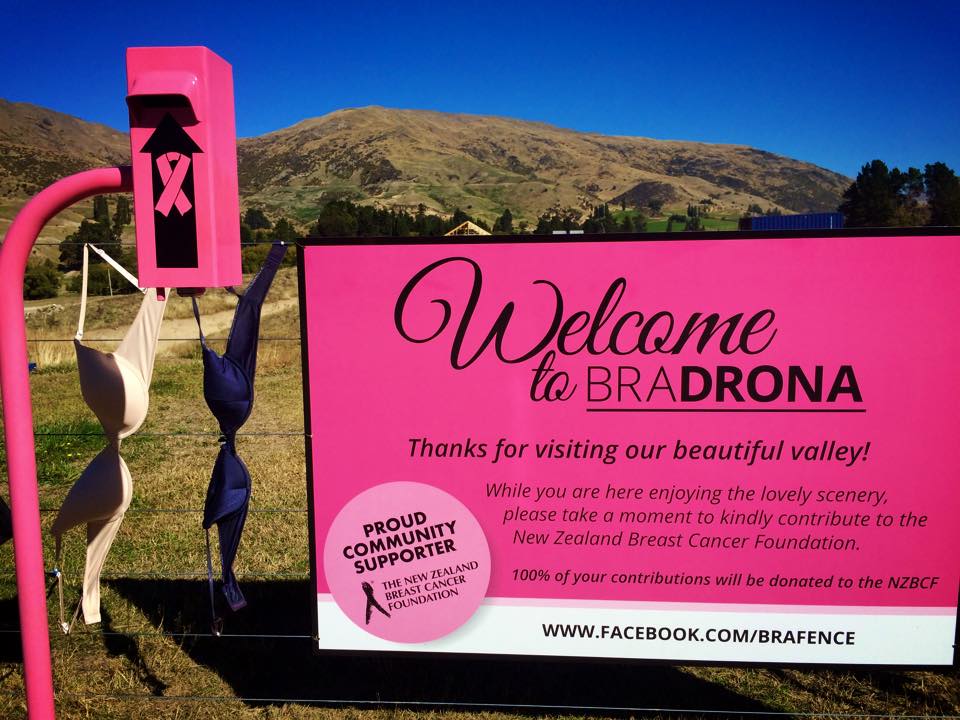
(173, 167)
(371, 601)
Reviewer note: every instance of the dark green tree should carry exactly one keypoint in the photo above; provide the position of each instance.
(943, 194)
(504, 223)
(655, 205)
(870, 201)
(284, 230)
(459, 217)
(121, 217)
(256, 220)
(101, 211)
(336, 220)
(103, 280)
(71, 248)
(41, 280)
(910, 202)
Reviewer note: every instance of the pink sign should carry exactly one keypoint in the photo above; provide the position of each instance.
(720, 450)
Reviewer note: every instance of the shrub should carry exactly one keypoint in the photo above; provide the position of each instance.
(41, 280)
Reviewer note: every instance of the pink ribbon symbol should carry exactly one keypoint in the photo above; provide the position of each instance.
(173, 177)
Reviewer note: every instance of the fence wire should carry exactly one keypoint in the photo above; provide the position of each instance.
(379, 702)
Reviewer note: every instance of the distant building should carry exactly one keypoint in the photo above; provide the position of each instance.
(804, 221)
(468, 228)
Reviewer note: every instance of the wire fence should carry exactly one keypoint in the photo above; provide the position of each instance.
(193, 635)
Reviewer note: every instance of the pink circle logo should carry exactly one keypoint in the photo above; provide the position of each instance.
(407, 562)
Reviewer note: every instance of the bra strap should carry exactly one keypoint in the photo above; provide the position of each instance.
(119, 268)
(57, 573)
(216, 622)
(196, 314)
(83, 291)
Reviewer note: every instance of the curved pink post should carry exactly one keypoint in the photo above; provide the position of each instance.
(18, 420)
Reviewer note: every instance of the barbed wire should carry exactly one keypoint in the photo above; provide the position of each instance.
(160, 633)
(196, 511)
(210, 433)
(266, 338)
(114, 243)
(499, 705)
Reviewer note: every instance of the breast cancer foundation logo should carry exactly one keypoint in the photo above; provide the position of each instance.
(407, 562)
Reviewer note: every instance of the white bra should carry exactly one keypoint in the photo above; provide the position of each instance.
(116, 387)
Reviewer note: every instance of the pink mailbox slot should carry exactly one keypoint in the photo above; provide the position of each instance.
(184, 147)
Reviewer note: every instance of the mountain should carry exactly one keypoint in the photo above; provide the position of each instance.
(38, 146)
(483, 164)
(404, 158)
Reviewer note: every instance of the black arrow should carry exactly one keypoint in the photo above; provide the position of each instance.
(175, 223)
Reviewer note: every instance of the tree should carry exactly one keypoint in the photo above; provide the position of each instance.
(943, 194)
(102, 280)
(870, 201)
(908, 188)
(504, 223)
(71, 249)
(655, 205)
(101, 211)
(336, 220)
(41, 280)
(256, 220)
(121, 217)
(284, 230)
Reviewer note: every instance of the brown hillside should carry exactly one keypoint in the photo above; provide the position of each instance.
(406, 157)
(38, 146)
(402, 158)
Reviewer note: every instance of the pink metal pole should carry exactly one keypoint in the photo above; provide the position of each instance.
(18, 421)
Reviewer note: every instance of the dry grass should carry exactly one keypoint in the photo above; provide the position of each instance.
(152, 657)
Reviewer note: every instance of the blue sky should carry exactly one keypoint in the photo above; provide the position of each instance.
(834, 83)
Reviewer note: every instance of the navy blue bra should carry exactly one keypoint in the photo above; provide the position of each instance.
(228, 390)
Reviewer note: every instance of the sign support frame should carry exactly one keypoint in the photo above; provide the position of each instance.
(18, 421)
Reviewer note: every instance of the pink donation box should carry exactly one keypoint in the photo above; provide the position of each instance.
(183, 145)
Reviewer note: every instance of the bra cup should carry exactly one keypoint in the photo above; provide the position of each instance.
(227, 390)
(136, 400)
(104, 490)
(113, 389)
(229, 488)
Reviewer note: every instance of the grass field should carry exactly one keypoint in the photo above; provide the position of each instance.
(153, 656)
(709, 223)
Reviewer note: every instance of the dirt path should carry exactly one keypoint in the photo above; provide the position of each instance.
(215, 325)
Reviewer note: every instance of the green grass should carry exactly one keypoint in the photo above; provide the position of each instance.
(660, 225)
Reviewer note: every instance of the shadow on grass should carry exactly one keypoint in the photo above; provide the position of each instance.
(267, 670)
(10, 649)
